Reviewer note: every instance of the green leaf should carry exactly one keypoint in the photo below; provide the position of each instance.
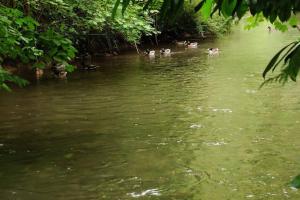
(296, 182)
(206, 9)
(147, 4)
(293, 21)
(280, 26)
(70, 68)
(40, 65)
(228, 7)
(125, 4)
(114, 11)
(274, 60)
(199, 6)
(242, 9)
(5, 87)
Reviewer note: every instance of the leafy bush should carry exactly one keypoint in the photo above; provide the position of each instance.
(6, 77)
(57, 49)
(17, 36)
(21, 41)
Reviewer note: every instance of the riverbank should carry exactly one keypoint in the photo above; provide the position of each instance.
(47, 35)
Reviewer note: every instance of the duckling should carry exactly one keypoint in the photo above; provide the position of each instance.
(213, 51)
(192, 44)
(149, 52)
(165, 51)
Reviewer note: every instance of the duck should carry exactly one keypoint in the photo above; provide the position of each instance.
(149, 52)
(269, 29)
(213, 51)
(165, 51)
(89, 67)
(59, 71)
(192, 44)
(39, 73)
(180, 43)
(85, 61)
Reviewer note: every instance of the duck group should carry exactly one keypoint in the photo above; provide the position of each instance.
(163, 51)
(187, 44)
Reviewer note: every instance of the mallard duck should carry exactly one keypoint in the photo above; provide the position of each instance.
(192, 45)
(89, 67)
(165, 51)
(39, 72)
(59, 71)
(150, 52)
(180, 43)
(86, 60)
(270, 29)
(213, 51)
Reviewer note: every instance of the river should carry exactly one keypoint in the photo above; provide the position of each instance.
(187, 126)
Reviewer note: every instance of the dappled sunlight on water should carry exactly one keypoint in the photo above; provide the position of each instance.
(186, 126)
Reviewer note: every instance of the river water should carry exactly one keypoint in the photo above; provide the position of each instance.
(188, 126)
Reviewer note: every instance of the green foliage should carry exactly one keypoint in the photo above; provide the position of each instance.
(56, 48)
(6, 77)
(254, 21)
(74, 18)
(206, 8)
(296, 182)
(218, 25)
(21, 41)
(132, 25)
(187, 22)
(17, 36)
(289, 58)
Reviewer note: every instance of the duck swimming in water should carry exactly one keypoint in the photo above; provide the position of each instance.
(213, 51)
(149, 52)
(165, 51)
(86, 60)
(59, 71)
(180, 43)
(39, 73)
(192, 44)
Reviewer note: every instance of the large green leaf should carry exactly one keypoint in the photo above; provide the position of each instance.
(296, 182)
(273, 61)
(228, 7)
(114, 11)
(206, 8)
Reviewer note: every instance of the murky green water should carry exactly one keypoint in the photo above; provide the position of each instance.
(187, 126)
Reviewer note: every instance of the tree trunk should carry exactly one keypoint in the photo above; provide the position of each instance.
(26, 7)
(13, 3)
